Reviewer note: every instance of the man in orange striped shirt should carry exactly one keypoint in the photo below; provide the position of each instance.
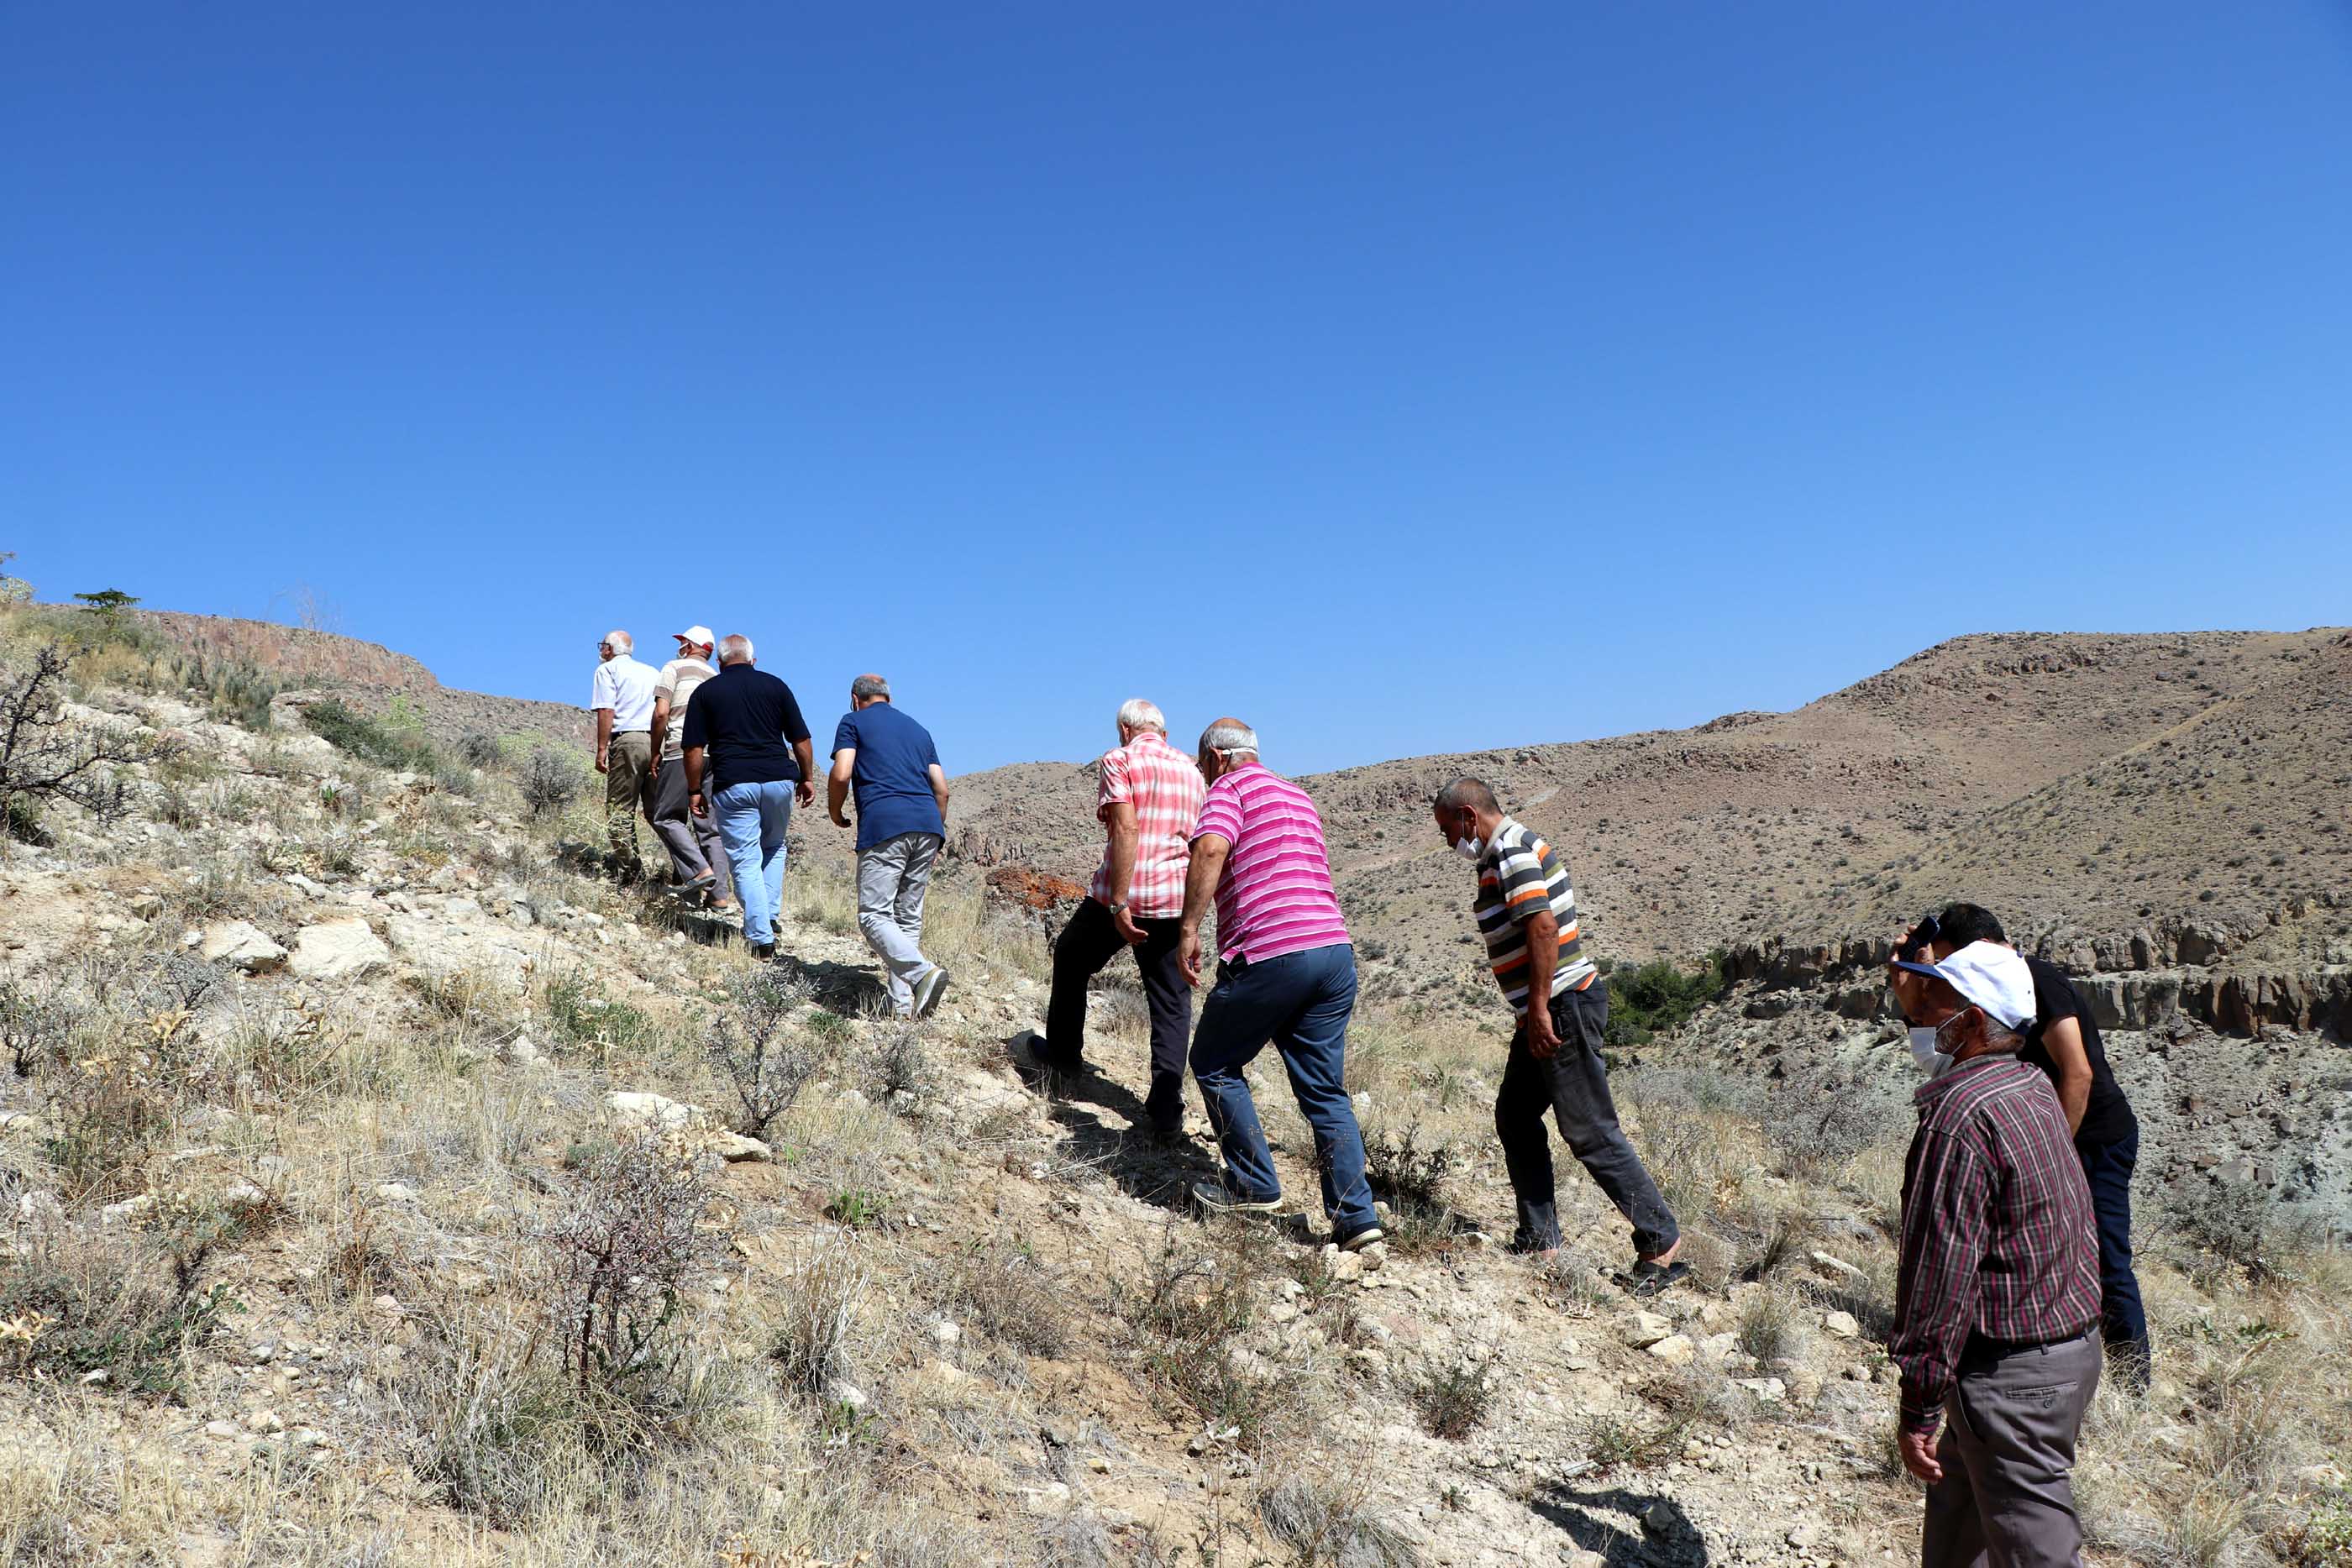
(1525, 910)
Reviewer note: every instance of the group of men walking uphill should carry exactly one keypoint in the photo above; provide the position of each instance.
(2015, 1253)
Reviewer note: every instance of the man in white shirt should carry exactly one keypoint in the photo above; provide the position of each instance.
(622, 694)
(695, 850)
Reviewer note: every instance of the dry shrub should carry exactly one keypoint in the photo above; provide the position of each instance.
(70, 1306)
(1004, 1293)
(618, 1257)
(1187, 1314)
(751, 1042)
(1453, 1395)
(1326, 1525)
(820, 1301)
(1771, 1325)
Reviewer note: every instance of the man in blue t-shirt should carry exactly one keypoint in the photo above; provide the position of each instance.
(902, 820)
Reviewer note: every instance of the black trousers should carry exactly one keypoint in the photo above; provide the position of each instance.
(1086, 943)
(1573, 1085)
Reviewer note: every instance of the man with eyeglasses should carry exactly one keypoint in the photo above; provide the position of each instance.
(1996, 1293)
(622, 696)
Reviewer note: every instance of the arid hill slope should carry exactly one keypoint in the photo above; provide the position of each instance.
(1808, 822)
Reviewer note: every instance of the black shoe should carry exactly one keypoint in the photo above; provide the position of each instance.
(1648, 1278)
(1356, 1240)
(763, 951)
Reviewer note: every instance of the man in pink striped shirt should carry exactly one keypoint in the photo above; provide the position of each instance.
(1286, 973)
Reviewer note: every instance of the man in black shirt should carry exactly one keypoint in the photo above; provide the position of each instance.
(2063, 1041)
(748, 756)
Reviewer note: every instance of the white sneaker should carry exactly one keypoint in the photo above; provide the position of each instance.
(929, 990)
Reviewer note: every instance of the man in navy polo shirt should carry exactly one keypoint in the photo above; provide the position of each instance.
(748, 757)
(902, 821)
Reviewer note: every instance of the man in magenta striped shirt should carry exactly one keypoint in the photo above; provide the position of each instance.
(1286, 973)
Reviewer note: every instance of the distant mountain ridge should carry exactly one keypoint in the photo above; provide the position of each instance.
(2090, 786)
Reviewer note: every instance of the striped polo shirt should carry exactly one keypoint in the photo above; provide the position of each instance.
(1276, 896)
(1517, 875)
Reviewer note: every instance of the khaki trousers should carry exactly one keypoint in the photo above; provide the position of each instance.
(627, 764)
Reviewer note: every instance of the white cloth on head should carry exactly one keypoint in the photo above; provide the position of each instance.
(1991, 976)
(626, 686)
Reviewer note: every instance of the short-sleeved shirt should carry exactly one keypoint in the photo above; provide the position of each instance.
(1276, 896)
(1164, 787)
(626, 686)
(747, 722)
(678, 679)
(2107, 1116)
(1518, 876)
(892, 773)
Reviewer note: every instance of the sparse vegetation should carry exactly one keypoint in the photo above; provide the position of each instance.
(549, 781)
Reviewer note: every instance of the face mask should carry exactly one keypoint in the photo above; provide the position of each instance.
(1931, 1061)
(1470, 849)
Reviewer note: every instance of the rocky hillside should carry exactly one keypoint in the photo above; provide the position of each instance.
(385, 1190)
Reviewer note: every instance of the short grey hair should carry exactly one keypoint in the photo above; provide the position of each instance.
(1229, 738)
(1142, 713)
(735, 649)
(620, 642)
(1465, 792)
(869, 686)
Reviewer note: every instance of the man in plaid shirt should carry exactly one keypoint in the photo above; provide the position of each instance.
(1149, 798)
(1997, 1302)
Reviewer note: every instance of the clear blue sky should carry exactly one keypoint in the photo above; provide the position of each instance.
(1402, 378)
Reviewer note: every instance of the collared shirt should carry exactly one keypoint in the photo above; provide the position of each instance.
(626, 686)
(1518, 876)
(891, 774)
(678, 679)
(1276, 896)
(1164, 787)
(1998, 1238)
(747, 722)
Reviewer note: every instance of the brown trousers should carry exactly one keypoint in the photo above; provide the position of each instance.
(627, 792)
(2007, 1499)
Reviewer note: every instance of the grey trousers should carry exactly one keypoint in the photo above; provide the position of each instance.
(892, 878)
(692, 841)
(2007, 1499)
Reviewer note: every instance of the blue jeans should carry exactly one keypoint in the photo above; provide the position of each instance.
(1301, 1002)
(752, 822)
(2123, 1322)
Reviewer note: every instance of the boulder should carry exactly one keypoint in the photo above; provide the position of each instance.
(241, 945)
(339, 951)
(1674, 1350)
(656, 1113)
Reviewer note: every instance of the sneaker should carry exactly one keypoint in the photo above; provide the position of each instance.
(1356, 1240)
(929, 990)
(763, 951)
(1218, 1198)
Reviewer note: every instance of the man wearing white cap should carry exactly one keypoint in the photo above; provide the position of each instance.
(1997, 1299)
(695, 851)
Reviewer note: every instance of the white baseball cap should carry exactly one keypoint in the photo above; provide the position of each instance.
(1990, 975)
(698, 636)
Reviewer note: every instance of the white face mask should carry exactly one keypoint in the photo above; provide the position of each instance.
(1931, 1061)
(1470, 849)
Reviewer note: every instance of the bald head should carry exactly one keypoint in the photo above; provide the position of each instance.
(1474, 794)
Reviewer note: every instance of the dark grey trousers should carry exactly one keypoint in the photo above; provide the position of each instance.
(692, 841)
(2007, 1499)
(1573, 1085)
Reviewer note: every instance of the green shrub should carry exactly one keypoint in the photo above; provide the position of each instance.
(1658, 997)
(385, 744)
(75, 1308)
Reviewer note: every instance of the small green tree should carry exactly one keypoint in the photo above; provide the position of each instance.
(108, 603)
(13, 589)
